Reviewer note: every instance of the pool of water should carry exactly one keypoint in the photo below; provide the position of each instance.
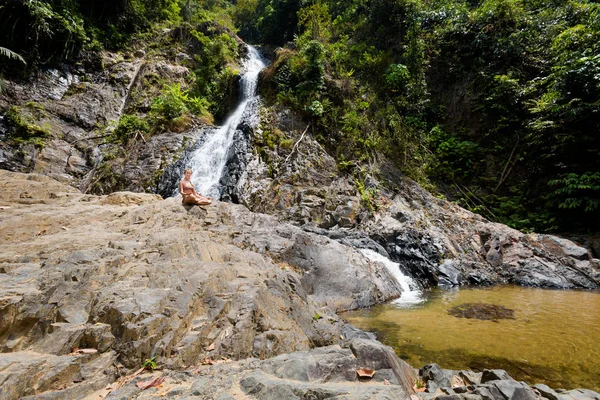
(554, 337)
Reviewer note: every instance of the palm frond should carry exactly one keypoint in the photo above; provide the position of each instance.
(11, 54)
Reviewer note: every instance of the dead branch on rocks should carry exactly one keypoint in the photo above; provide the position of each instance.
(296, 145)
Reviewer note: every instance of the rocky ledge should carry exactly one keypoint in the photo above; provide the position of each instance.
(133, 276)
(227, 303)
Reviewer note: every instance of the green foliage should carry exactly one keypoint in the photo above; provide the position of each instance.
(316, 108)
(11, 54)
(396, 77)
(174, 104)
(456, 158)
(315, 20)
(491, 100)
(129, 126)
(24, 129)
(150, 364)
(494, 101)
(286, 144)
(577, 191)
(367, 195)
(47, 32)
(215, 78)
(268, 21)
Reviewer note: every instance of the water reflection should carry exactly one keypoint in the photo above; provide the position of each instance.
(553, 338)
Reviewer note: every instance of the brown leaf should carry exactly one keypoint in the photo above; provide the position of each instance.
(211, 347)
(151, 383)
(76, 351)
(365, 373)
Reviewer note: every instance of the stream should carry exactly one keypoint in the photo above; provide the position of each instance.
(553, 338)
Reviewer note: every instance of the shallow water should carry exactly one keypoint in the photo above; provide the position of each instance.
(554, 338)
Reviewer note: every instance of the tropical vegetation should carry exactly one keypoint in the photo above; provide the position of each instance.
(494, 104)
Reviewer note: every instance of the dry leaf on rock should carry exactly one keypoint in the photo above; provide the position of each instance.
(365, 373)
(156, 382)
(75, 351)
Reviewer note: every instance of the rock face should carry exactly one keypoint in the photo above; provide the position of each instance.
(134, 277)
(435, 241)
(440, 243)
(298, 183)
(77, 110)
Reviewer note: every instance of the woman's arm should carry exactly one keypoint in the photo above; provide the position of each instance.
(181, 188)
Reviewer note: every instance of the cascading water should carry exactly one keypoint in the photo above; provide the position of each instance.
(208, 161)
(411, 295)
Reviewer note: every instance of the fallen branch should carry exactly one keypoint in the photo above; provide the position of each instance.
(139, 133)
(505, 174)
(296, 144)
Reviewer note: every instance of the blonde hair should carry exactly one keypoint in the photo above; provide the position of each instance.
(187, 170)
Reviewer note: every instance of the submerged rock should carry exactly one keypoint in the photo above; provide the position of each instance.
(481, 311)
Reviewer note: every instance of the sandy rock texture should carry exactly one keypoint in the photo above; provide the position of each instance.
(134, 276)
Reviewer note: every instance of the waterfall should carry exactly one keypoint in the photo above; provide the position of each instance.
(208, 161)
(411, 295)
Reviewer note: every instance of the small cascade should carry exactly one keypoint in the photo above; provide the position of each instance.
(209, 160)
(411, 294)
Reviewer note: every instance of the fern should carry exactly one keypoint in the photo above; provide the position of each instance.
(11, 54)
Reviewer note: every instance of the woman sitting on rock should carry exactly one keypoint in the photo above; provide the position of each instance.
(186, 188)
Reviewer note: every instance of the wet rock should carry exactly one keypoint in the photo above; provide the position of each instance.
(434, 377)
(545, 392)
(448, 274)
(324, 260)
(419, 231)
(494, 375)
(511, 389)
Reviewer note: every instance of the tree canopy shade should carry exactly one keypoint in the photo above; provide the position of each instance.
(54, 30)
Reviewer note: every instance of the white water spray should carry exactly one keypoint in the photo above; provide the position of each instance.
(208, 162)
(411, 295)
